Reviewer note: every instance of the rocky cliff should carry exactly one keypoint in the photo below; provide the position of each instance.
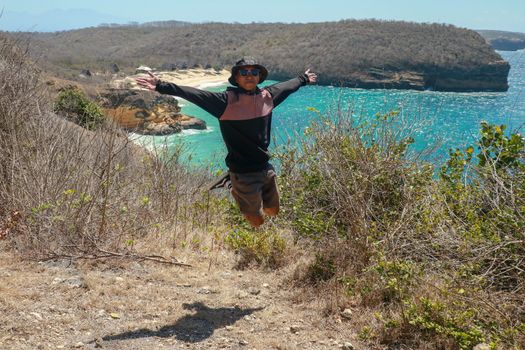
(504, 44)
(146, 112)
(490, 77)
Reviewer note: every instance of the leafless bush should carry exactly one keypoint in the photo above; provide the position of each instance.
(80, 192)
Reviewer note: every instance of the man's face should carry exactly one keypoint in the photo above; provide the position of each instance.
(248, 77)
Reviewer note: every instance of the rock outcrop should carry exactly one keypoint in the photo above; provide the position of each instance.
(504, 44)
(504, 41)
(146, 112)
(114, 68)
(489, 77)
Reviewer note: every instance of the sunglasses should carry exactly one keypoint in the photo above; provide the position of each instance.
(244, 72)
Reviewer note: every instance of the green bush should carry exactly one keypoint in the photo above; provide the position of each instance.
(256, 246)
(72, 103)
(457, 321)
(500, 150)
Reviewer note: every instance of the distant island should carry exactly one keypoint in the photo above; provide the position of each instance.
(352, 53)
(504, 41)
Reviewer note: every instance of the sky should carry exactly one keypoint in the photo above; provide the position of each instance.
(54, 15)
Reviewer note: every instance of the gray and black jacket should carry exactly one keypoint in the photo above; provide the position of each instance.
(245, 118)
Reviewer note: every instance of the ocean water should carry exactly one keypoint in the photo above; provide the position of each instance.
(441, 120)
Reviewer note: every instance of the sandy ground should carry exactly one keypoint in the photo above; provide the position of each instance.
(140, 305)
(200, 78)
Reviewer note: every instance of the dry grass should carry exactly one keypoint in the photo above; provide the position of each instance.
(81, 193)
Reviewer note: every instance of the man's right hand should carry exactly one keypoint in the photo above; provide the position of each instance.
(149, 83)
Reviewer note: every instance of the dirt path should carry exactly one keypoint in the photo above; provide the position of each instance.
(59, 305)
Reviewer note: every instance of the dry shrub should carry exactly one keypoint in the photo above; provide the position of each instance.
(350, 183)
(438, 260)
(79, 192)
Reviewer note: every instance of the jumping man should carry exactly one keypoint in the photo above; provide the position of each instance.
(245, 116)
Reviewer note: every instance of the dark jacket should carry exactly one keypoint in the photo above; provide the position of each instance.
(245, 118)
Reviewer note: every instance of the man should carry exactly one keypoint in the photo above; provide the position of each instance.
(245, 115)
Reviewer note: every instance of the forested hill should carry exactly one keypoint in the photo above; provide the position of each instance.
(505, 41)
(369, 53)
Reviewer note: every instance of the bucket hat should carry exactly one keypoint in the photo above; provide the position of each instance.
(247, 61)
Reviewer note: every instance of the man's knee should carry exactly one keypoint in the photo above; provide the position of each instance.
(271, 211)
(254, 220)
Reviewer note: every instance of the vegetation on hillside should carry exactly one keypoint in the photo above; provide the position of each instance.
(72, 103)
(69, 191)
(437, 261)
(339, 51)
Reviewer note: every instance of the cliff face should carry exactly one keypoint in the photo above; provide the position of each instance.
(508, 44)
(395, 55)
(489, 77)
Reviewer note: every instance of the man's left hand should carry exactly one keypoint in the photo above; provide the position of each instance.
(312, 77)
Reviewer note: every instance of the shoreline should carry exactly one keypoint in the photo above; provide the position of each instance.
(206, 85)
(198, 78)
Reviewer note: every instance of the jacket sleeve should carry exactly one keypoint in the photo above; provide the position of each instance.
(212, 102)
(281, 91)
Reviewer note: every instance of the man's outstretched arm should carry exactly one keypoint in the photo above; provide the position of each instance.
(281, 91)
(212, 102)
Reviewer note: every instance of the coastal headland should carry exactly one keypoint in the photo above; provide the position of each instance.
(351, 53)
(504, 41)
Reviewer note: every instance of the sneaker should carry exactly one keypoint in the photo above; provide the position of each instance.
(223, 182)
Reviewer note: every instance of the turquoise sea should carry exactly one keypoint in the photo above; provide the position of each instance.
(442, 119)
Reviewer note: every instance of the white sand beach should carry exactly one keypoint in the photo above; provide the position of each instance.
(199, 78)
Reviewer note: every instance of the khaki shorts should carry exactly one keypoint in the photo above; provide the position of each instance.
(255, 191)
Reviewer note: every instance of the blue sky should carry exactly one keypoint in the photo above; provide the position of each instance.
(51, 15)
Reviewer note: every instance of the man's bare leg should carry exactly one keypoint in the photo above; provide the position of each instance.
(271, 211)
(254, 220)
